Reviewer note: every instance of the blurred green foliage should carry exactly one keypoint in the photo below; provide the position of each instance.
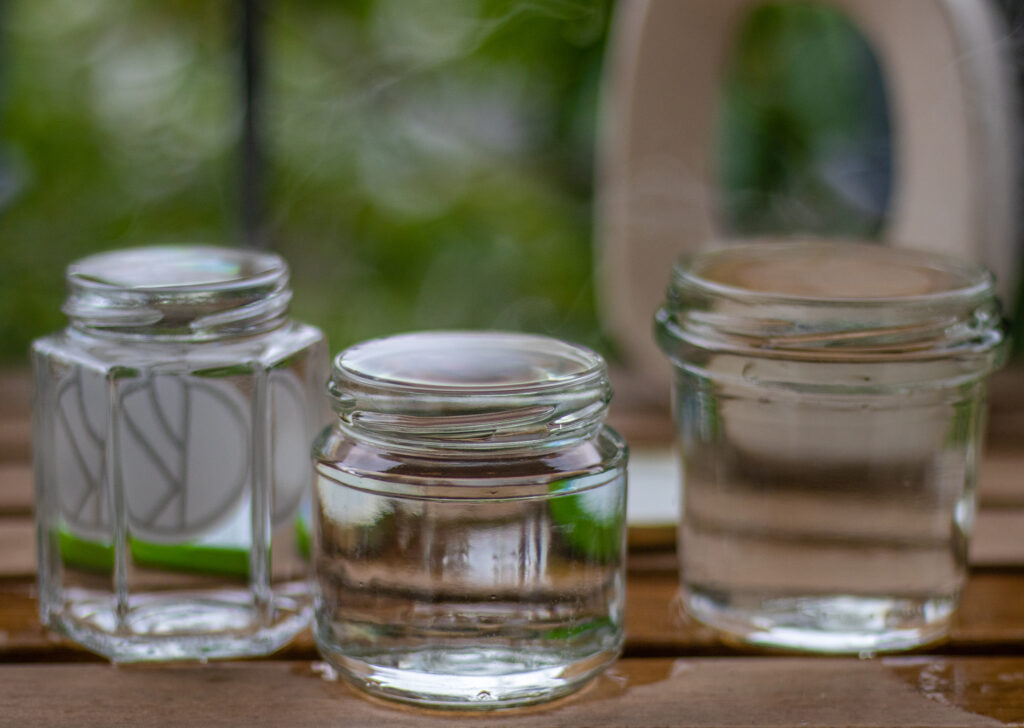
(432, 162)
(805, 138)
(117, 128)
(429, 162)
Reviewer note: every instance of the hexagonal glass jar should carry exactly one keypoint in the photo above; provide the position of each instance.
(172, 423)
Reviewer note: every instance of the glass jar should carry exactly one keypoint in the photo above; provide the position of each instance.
(469, 509)
(829, 400)
(172, 423)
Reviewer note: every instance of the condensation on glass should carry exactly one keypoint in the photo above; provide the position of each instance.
(172, 424)
(829, 401)
(469, 512)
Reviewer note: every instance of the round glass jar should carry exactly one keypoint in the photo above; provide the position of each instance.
(469, 510)
(829, 401)
(172, 424)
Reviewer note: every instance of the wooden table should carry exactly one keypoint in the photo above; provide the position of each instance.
(673, 672)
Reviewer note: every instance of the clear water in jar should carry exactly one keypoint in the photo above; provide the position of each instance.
(469, 599)
(832, 521)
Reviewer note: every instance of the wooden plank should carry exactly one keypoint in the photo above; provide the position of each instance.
(1001, 483)
(964, 692)
(15, 438)
(17, 548)
(991, 619)
(998, 543)
(647, 424)
(998, 539)
(17, 496)
(22, 637)
(18, 560)
(15, 414)
(16, 392)
(642, 419)
(657, 625)
(1001, 477)
(991, 613)
(634, 410)
(643, 427)
(991, 688)
(1000, 497)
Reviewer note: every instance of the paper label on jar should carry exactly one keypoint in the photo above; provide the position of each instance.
(184, 453)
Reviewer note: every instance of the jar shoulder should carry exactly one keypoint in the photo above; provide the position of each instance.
(605, 452)
(99, 353)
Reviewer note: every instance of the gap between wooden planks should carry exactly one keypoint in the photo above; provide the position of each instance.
(646, 693)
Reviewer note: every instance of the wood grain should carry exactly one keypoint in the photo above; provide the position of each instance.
(675, 672)
(16, 392)
(998, 543)
(638, 693)
(15, 438)
(998, 538)
(16, 489)
(1001, 477)
(17, 548)
(991, 620)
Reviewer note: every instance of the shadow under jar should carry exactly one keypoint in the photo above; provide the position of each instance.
(829, 400)
(469, 520)
(172, 424)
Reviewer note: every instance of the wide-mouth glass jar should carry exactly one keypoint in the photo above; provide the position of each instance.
(829, 400)
(172, 424)
(469, 519)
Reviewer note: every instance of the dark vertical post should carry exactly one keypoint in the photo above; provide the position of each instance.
(1013, 12)
(251, 187)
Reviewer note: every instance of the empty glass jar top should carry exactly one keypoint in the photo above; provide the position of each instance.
(470, 391)
(832, 271)
(190, 292)
(830, 302)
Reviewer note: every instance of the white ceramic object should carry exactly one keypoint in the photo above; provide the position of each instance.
(950, 92)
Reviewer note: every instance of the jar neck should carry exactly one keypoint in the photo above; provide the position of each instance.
(528, 430)
(129, 305)
(853, 333)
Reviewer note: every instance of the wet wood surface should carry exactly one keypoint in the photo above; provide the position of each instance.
(674, 673)
(645, 692)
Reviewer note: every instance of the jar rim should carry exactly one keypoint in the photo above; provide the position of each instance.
(168, 269)
(461, 363)
(178, 292)
(967, 279)
(470, 390)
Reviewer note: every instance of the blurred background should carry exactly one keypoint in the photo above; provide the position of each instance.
(420, 163)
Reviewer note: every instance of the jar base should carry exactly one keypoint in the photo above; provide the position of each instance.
(842, 624)
(164, 628)
(472, 678)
